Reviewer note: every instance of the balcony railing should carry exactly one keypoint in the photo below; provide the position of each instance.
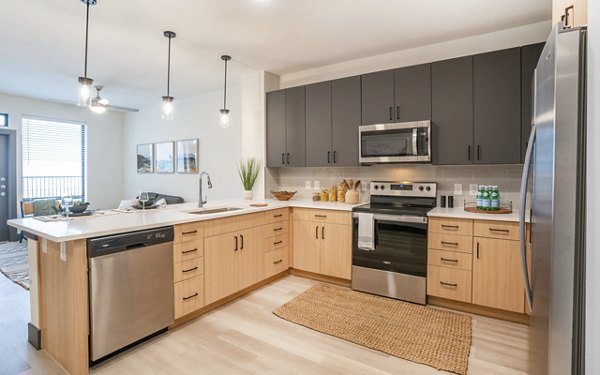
(52, 187)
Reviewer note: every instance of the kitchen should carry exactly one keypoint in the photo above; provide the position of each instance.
(248, 136)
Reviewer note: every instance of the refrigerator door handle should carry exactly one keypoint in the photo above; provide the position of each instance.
(522, 226)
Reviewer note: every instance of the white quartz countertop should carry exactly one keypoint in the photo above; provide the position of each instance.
(113, 222)
(460, 213)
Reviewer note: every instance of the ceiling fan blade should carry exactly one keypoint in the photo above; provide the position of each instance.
(114, 108)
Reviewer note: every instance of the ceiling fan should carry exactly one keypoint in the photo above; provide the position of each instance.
(98, 104)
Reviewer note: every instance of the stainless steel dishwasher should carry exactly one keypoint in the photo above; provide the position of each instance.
(130, 288)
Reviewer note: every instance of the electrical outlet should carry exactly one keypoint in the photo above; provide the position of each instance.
(473, 189)
(317, 184)
(457, 189)
(308, 184)
(63, 251)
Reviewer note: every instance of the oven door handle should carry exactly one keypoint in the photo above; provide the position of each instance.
(398, 218)
(414, 142)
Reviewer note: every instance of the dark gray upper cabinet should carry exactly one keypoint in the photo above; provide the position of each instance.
(345, 120)
(529, 58)
(412, 93)
(276, 128)
(378, 97)
(318, 125)
(295, 127)
(497, 107)
(452, 111)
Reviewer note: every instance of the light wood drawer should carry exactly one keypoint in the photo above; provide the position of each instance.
(452, 242)
(189, 296)
(188, 250)
(233, 224)
(276, 228)
(451, 226)
(276, 242)
(276, 261)
(505, 230)
(451, 259)
(188, 269)
(281, 214)
(449, 283)
(326, 216)
(187, 232)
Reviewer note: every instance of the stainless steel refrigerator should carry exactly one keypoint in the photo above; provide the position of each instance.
(556, 159)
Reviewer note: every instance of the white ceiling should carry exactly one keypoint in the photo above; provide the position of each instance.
(41, 42)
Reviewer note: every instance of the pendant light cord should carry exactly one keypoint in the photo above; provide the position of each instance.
(169, 69)
(87, 22)
(225, 88)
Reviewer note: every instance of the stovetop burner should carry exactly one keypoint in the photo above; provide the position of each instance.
(400, 198)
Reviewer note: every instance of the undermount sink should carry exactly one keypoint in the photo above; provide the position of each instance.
(208, 211)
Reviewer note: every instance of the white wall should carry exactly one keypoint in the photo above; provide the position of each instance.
(518, 36)
(593, 200)
(104, 165)
(220, 150)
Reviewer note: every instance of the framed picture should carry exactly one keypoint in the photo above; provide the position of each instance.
(145, 158)
(187, 156)
(165, 162)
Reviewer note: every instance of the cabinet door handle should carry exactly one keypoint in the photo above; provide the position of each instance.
(397, 112)
(499, 230)
(190, 232)
(328, 154)
(477, 249)
(450, 243)
(317, 232)
(478, 152)
(278, 261)
(189, 251)
(278, 215)
(321, 216)
(288, 158)
(391, 116)
(192, 296)
(190, 270)
(449, 260)
(236, 243)
(334, 153)
(283, 158)
(242, 237)
(450, 226)
(469, 152)
(323, 233)
(449, 284)
(277, 243)
(277, 229)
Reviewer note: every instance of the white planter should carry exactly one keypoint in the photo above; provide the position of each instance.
(248, 194)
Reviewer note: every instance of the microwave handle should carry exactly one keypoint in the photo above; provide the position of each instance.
(414, 142)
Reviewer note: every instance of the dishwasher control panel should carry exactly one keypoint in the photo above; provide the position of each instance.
(127, 241)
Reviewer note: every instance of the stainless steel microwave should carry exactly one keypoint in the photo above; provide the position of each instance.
(406, 142)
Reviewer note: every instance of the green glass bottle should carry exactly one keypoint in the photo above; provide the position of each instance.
(486, 202)
(480, 198)
(495, 198)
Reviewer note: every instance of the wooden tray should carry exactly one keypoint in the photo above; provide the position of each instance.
(498, 212)
(259, 204)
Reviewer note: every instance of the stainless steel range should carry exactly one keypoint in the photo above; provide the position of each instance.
(389, 250)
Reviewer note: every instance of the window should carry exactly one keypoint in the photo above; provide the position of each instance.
(3, 119)
(54, 158)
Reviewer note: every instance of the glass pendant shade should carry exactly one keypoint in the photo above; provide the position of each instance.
(85, 91)
(224, 123)
(225, 118)
(167, 108)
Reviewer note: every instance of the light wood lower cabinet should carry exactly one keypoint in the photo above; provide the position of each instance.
(233, 262)
(188, 268)
(322, 247)
(449, 283)
(189, 296)
(497, 274)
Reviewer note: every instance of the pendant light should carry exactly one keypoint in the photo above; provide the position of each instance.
(85, 83)
(167, 111)
(98, 104)
(225, 111)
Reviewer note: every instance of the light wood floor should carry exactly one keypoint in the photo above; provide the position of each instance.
(244, 337)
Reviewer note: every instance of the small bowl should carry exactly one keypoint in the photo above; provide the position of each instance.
(78, 208)
(283, 195)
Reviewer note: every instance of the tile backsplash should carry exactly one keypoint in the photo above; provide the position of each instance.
(507, 177)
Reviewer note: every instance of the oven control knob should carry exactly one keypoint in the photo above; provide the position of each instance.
(382, 187)
(428, 188)
(376, 187)
(420, 188)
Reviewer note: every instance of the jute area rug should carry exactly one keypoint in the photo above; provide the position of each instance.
(14, 262)
(437, 338)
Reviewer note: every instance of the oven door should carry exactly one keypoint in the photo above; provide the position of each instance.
(395, 143)
(400, 245)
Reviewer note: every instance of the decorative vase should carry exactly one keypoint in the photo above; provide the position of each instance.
(248, 194)
(352, 196)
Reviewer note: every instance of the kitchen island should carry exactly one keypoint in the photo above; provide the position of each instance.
(59, 264)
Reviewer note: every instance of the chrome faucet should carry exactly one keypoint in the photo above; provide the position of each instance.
(200, 201)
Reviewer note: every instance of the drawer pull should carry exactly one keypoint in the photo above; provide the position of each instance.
(450, 243)
(278, 261)
(190, 232)
(499, 230)
(190, 270)
(189, 251)
(449, 260)
(387, 262)
(448, 284)
(321, 216)
(450, 226)
(277, 243)
(277, 229)
(278, 215)
(192, 296)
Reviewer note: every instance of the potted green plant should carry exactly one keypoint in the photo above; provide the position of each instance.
(248, 171)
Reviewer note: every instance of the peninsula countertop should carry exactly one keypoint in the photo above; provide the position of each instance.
(121, 222)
